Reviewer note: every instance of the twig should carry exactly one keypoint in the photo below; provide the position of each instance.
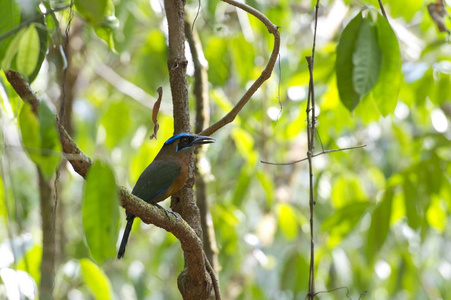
(214, 279)
(314, 155)
(383, 9)
(273, 29)
(311, 122)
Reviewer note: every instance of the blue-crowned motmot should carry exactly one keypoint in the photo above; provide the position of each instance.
(165, 175)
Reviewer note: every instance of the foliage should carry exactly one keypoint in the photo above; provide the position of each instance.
(381, 212)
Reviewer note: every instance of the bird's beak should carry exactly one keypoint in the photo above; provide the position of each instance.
(201, 139)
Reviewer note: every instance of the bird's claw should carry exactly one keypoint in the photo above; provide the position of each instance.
(167, 212)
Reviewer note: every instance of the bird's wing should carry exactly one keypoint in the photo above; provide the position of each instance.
(156, 179)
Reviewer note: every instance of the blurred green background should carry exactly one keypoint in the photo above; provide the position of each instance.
(382, 212)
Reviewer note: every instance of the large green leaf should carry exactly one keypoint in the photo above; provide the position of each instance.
(49, 141)
(28, 52)
(344, 65)
(385, 93)
(96, 280)
(100, 211)
(9, 19)
(366, 59)
(380, 225)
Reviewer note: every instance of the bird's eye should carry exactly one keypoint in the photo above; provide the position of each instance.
(184, 140)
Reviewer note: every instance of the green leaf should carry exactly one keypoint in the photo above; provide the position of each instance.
(217, 55)
(268, 186)
(96, 280)
(347, 190)
(92, 10)
(28, 51)
(385, 93)
(294, 276)
(413, 201)
(344, 65)
(100, 212)
(245, 145)
(287, 221)
(11, 51)
(366, 59)
(343, 221)
(436, 214)
(29, 129)
(31, 263)
(9, 19)
(380, 225)
(116, 121)
(40, 137)
(49, 141)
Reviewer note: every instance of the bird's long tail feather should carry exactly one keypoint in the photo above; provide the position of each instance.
(124, 241)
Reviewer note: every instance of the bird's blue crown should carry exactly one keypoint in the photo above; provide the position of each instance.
(177, 136)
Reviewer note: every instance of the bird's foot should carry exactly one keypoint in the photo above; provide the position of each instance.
(167, 212)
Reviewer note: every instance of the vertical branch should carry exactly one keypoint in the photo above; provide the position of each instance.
(311, 124)
(194, 282)
(202, 120)
(48, 239)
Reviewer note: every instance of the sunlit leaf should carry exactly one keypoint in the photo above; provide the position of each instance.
(100, 211)
(385, 93)
(31, 263)
(286, 218)
(28, 51)
(436, 215)
(346, 190)
(9, 19)
(244, 144)
(344, 65)
(366, 58)
(96, 280)
(380, 225)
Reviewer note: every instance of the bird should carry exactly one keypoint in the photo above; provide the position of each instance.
(165, 175)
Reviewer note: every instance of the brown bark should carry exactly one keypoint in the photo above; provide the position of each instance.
(194, 282)
(47, 267)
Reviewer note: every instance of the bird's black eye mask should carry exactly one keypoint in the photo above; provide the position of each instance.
(185, 143)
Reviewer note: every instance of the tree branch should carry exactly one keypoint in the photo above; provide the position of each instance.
(149, 214)
(274, 30)
(202, 120)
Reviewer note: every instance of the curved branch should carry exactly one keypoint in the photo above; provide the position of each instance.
(274, 30)
(149, 214)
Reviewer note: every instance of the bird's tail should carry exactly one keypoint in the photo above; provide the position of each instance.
(127, 230)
